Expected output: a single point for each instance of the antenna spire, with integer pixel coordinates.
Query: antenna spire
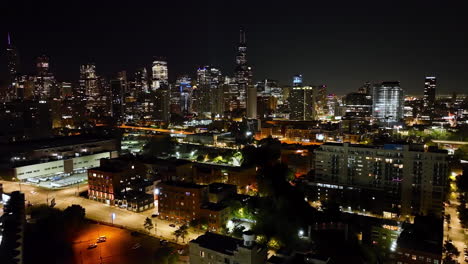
(9, 39)
(242, 35)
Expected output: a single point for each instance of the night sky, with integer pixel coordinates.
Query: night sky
(341, 45)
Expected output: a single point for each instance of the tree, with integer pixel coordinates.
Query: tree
(74, 217)
(148, 224)
(450, 249)
(182, 232)
(177, 234)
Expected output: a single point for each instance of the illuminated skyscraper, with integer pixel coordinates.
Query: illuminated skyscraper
(184, 88)
(302, 103)
(388, 102)
(141, 81)
(89, 81)
(429, 95)
(160, 75)
(42, 65)
(209, 92)
(243, 72)
(297, 80)
(45, 84)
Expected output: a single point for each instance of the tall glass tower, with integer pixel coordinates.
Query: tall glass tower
(388, 102)
(429, 94)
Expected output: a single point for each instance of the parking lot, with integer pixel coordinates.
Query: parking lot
(120, 247)
(59, 181)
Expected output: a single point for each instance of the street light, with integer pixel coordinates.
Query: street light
(301, 233)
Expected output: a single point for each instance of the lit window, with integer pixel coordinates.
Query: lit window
(202, 254)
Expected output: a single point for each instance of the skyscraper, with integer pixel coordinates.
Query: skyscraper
(388, 102)
(88, 81)
(429, 95)
(45, 84)
(209, 92)
(160, 75)
(243, 72)
(42, 65)
(297, 80)
(13, 67)
(302, 103)
(141, 81)
(184, 87)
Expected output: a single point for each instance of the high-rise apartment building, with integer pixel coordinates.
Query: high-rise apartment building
(392, 180)
(388, 102)
(160, 76)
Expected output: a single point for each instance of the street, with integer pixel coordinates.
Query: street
(95, 210)
(456, 232)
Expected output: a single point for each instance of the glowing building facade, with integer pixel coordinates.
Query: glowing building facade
(388, 102)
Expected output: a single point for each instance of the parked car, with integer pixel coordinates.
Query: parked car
(101, 239)
(91, 246)
(172, 225)
(137, 245)
(154, 215)
(163, 242)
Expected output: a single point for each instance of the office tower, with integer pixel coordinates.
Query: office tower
(122, 76)
(184, 87)
(297, 80)
(45, 84)
(209, 92)
(160, 75)
(141, 81)
(42, 65)
(302, 103)
(392, 180)
(25, 87)
(358, 106)
(251, 102)
(429, 95)
(66, 89)
(242, 72)
(365, 88)
(13, 68)
(24, 119)
(89, 81)
(321, 100)
(117, 99)
(388, 102)
(162, 103)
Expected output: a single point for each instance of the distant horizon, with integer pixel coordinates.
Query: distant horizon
(341, 46)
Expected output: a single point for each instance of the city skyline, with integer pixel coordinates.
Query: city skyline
(375, 47)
